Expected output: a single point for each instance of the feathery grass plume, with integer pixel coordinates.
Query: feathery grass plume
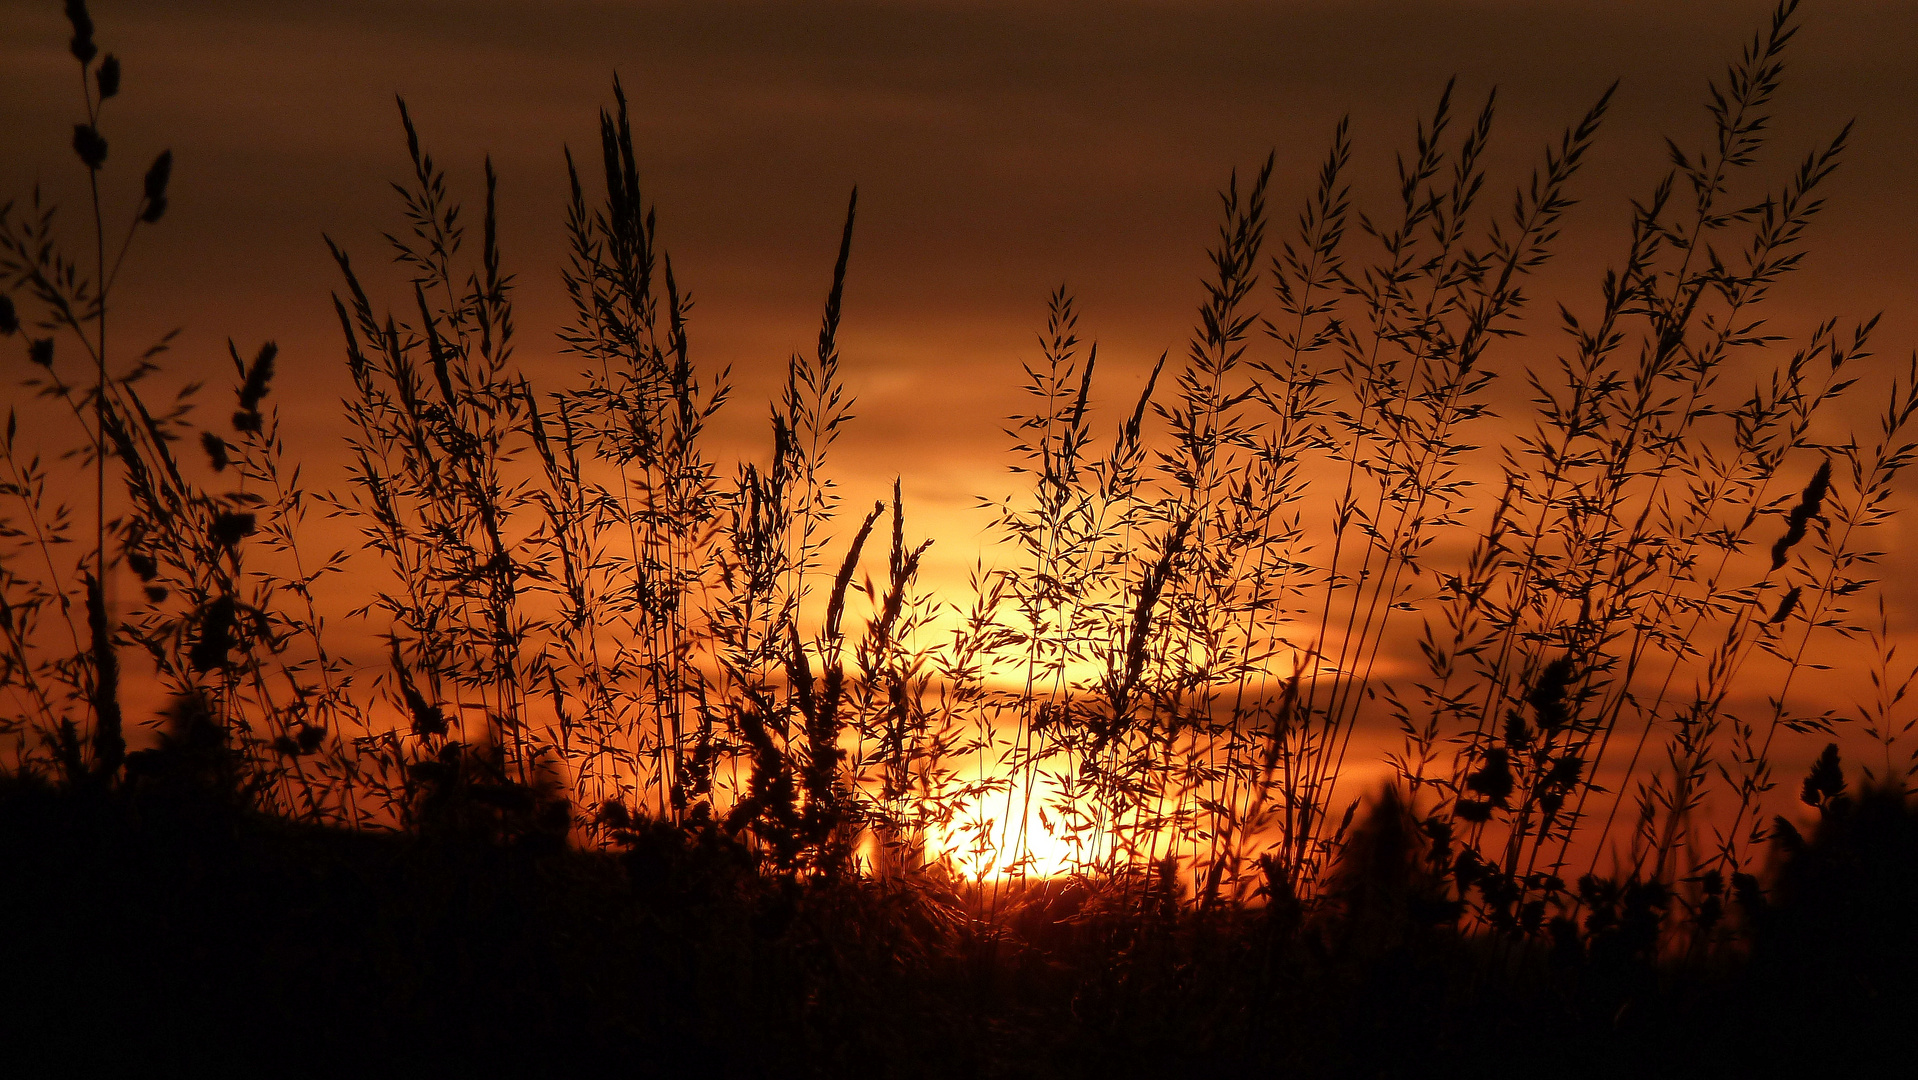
(1880, 716)
(1595, 558)
(641, 407)
(1851, 505)
(897, 736)
(257, 376)
(777, 531)
(431, 477)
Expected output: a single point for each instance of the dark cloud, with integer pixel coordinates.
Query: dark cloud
(1001, 148)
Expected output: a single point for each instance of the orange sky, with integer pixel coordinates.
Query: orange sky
(1000, 149)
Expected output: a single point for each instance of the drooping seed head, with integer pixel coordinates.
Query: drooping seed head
(258, 375)
(309, 738)
(215, 450)
(232, 526)
(1825, 784)
(92, 148)
(82, 45)
(156, 180)
(108, 77)
(215, 639)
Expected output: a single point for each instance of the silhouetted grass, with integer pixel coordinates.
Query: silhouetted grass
(657, 772)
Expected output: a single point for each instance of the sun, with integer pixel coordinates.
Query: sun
(1017, 833)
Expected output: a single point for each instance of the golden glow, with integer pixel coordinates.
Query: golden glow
(1016, 832)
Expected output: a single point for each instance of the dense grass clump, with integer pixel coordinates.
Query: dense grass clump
(162, 935)
(673, 759)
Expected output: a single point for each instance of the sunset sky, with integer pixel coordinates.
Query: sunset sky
(1000, 149)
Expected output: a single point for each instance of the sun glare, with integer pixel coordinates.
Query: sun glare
(1017, 833)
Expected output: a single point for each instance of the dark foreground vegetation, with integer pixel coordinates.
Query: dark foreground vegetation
(671, 767)
(163, 934)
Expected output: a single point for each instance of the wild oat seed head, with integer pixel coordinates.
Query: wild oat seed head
(156, 180)
(83, 48)
(90, 145)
